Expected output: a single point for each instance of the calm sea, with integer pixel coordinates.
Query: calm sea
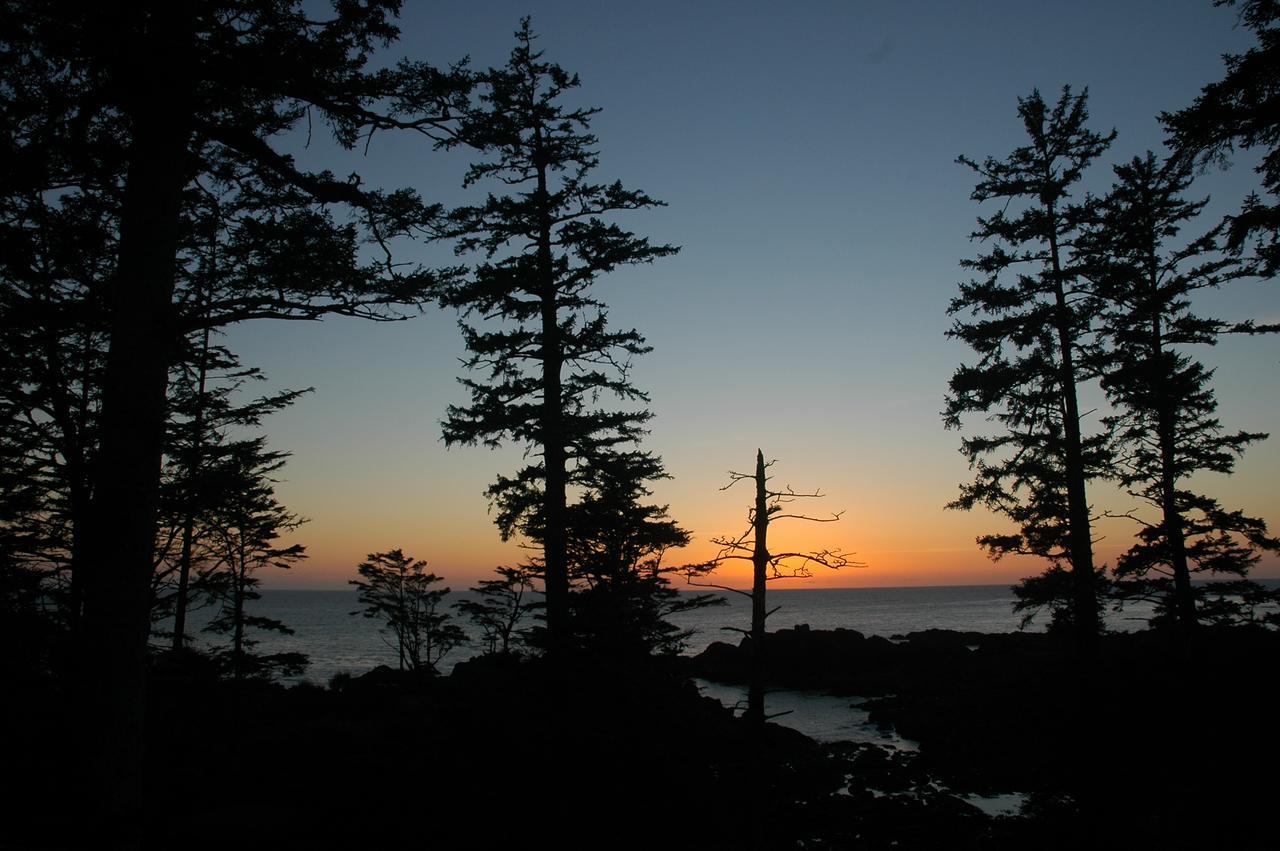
(337, 641)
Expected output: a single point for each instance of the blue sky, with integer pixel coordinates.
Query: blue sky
(807, 157)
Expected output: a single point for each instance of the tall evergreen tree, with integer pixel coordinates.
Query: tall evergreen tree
(1027, 315)
(1242, 110)
(536, 330)
(1166, 424)
(141, 102)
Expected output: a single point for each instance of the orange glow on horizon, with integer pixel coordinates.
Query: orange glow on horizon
(892, 520)
(462, 563)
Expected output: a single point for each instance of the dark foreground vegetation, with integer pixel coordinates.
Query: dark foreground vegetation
(507, 751)
(150, 201)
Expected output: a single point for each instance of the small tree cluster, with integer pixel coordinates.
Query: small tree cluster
(1099, 289)
(206, 471)
(397, 590)
(144, 125)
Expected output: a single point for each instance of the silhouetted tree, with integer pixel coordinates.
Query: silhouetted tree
(28, 625)
(1242, 110)
(201, 468)
(539, 334)
(1028, 315)
(501, 606)
(766, 566)
(1166, 425)
(50, 398)
(247, 526)
(57, 257)
(397, 590)
(621, 595)
(147, 102)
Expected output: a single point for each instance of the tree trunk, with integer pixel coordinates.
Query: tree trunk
(81, 475)
(1084, 608)
(191, 500)
(554, 459)
(1174, 529)
(759, 578)
(71, 442)
(239, 574)
(80, 505)
(122, 527)
(402, 614)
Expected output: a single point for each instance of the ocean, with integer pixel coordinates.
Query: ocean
(337, 641)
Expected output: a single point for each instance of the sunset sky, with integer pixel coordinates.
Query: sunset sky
(807, 156)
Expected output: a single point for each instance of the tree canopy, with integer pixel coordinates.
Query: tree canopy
(1165, 422)
(146, 128)
(1241, 111)
(530, 321)
(397, 590)
(1027, 314)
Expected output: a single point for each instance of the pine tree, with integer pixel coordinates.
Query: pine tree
(54, 271)
(1166, 424)
(1027, 315)
(538, 332)
(246, 527)
(397, 590)
(205, 409)
(145, 104)
(1242, 110)
(501, 606)
(621, 595)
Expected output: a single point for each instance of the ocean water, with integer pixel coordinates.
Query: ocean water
(338, 641)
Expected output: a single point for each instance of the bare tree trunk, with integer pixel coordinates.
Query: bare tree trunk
(759, 577)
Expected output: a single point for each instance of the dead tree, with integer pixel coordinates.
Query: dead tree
(753, 546)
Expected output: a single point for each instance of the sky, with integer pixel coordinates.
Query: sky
(806, 156)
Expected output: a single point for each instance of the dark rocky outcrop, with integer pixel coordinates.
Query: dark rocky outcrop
(1164, 757)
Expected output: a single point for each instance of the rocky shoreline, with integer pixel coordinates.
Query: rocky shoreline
(1156, 747)
(1155, 739)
